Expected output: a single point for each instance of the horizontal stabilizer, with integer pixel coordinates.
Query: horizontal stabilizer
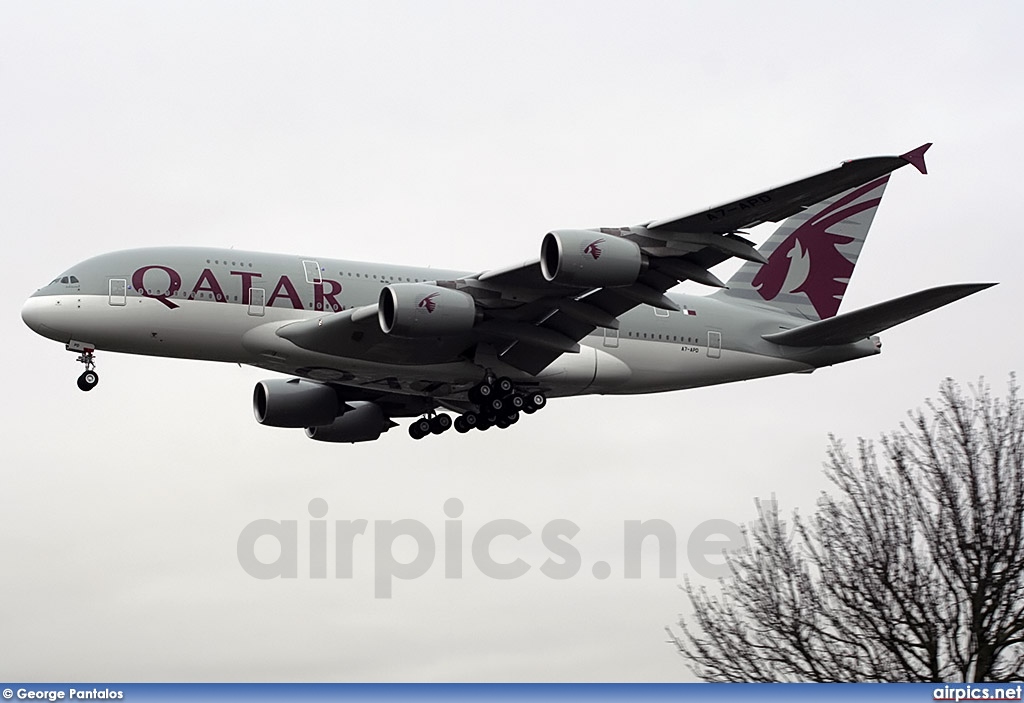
(861, 324)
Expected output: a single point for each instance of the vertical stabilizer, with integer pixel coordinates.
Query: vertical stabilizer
(811, 256)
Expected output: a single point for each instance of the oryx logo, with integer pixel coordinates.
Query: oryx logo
(808, 261)
(593, 249)
(428, 302)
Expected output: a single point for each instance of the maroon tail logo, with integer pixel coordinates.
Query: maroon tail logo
(809, 260)
(428, 302)
(593, 249)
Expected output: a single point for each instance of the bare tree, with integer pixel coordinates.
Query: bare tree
(911, 570)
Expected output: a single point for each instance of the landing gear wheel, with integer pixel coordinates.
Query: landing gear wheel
(440, 423)
(88, 380)
(504, 386)
(420, 428)
(460, 425)
(501, 402)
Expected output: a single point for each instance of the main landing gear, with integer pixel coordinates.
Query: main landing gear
(89, 378)
(433, 424)
(500, 404)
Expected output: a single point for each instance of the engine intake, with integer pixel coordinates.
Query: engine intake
(577, 257)
(362, 422)
(294, 403)
(423, 310)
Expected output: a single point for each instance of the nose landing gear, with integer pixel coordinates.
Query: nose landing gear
(89, 378)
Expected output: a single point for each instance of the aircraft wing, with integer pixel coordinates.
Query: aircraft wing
(528, 314)
(545, 320)
(675, 250)
(784, 201)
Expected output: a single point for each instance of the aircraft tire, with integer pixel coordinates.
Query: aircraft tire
(88, 380)
(440, 423)
(504, 386)
(420, 429)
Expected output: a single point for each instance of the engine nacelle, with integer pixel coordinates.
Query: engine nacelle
(363, 422)
(294, 403)
(577, 257)
(423, 310)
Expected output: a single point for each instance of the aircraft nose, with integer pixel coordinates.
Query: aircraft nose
(36, 312)
(32, 314)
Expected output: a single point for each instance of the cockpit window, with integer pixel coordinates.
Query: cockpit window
(66, 280)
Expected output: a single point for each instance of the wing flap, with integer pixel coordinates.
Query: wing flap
(860, 324)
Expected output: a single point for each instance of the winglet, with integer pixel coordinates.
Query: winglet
(915, 157)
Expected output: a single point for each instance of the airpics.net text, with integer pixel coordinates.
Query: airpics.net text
(270, 549)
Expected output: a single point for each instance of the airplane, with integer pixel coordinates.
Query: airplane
(366, 343)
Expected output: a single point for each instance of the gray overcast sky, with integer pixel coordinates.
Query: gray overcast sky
(452, 134)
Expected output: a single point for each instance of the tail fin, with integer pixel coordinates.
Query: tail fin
(811, 256)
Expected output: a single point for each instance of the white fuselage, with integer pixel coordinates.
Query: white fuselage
(184, 306)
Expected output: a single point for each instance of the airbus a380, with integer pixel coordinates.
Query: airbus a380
(367, 343)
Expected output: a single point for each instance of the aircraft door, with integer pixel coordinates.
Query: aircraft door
(611, 337)
(714, 344)
(257, 300)
(312, 271)
(118, 291)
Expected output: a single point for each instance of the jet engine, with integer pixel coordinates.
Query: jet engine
(423, 310)
(576, 257)
(294, 403)
(362, 422)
